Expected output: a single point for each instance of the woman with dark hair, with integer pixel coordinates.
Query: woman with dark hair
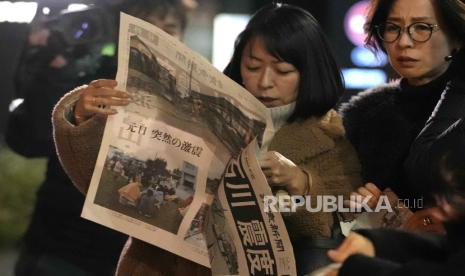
(421, 38)
(283, 59)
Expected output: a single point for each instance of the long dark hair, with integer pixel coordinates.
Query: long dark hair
(451, 12)
(293, 35)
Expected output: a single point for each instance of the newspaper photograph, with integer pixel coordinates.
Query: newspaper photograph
(163, 157)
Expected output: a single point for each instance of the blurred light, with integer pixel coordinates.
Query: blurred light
(226, 27)
(363, 57)
(354, 22)
(18, 12)
(109, 50)
(363, 78)
(46, 10)
(15, 103)
(76, 7)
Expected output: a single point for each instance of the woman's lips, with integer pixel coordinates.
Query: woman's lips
(266, 99)
(406, 61)
(406, 58)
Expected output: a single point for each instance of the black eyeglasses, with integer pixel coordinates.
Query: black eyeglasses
(419, 31)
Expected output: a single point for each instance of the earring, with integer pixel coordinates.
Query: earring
(277, 3)
(451, 56)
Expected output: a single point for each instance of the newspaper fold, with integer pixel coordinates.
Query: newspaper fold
(181, 155)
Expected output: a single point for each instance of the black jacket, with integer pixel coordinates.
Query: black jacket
(56, 226)
(402, 253)
(405, 254)
(382, 124)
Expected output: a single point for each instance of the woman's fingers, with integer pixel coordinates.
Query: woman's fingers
(106, 92)
(364, 192)
(372, 188)
(103, 83)
(353, 244)
(367, 193)
(98, 101)
(103, 111)
(98, 98)
(265, 163)
(339, 254)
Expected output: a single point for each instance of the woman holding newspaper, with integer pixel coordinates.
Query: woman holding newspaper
(283, 59)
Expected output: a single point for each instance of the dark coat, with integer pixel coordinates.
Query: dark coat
(405, 254)
(382, 123)
(402, 253)
(56, 227)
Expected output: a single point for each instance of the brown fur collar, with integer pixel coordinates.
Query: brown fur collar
(301, 140)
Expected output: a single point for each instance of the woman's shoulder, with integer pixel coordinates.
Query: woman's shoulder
(293, 139)
(330, 124)
(382, 96)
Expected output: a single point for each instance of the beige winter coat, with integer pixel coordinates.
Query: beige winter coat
(317, 145)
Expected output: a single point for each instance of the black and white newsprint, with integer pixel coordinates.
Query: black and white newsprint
(242, 239)
(177, 167)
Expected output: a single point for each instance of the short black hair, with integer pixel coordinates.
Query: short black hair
(293, 35)
(162, 8)
(451, 13)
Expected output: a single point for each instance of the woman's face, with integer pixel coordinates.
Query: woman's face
(169, 24)
(418, 62)
(272, 81)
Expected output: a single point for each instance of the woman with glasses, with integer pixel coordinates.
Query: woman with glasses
(422, 38)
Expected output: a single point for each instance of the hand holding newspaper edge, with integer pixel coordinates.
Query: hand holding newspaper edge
(163, 156)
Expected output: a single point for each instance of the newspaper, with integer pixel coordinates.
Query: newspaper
(177, 167)
(394, 217)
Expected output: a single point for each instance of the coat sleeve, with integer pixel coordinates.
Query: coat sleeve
(446, 121)
(77, 146)
(380, 149)
(140, 258)
(411, 254)
(363, 265)
(334, 172)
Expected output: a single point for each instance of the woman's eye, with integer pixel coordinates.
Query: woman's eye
(421, 27)
(252, 68)
(284, 72)
(391, 28)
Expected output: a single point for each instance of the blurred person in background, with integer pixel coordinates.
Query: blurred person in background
(58, 241)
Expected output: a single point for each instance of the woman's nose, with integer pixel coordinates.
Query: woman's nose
(405, 40)
(266, 78)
